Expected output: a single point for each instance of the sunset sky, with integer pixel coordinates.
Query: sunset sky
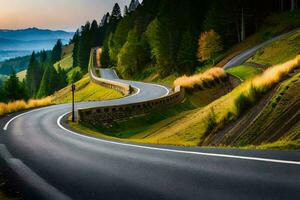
(53, 14)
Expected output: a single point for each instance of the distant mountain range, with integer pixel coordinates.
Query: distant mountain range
(19, 42)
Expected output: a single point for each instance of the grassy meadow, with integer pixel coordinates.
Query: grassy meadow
(65, 63)
(85, 91)
(279, 51)
(244, 72)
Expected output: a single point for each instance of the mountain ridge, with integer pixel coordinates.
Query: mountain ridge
(29, 39)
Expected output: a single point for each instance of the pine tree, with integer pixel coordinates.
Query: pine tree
(62, 78)
(105, 59)
(116, 13)
(93, 34)
(84, 47)
(2, 94)
(133, 54)
(133, 5)
(43, 56)
(104, 20)
(75, 54)
(12, 87)
(56, 52)
(49, 83)
(33, 76)
(186, 57)
(126, 11)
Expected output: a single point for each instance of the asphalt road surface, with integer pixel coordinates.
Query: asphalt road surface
(56, 163)
(245, 55)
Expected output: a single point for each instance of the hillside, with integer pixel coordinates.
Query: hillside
(18, 64)
(85, 91)
(186, 124)
(22, 42)
(67, 58)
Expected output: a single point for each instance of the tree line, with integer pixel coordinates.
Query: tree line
(177, 36)
(170, 36)
(41, 80)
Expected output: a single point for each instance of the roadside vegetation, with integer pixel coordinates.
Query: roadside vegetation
(277, 126)
(85, 91)
(279, 51)
(195, 127)
(14, 106)
(132, 127)
(204, 80)
(244, 72)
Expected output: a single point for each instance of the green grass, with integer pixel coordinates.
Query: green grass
(85, 91)
(169, 80)
(285, 96)
(276, 24)
(279, 51)
(244, 72)
(65, 63)
(132, 127)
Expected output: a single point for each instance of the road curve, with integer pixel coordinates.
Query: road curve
(61, 164)
(245, 55)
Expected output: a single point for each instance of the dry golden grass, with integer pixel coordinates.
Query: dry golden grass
(98, 56)
(274, 74)
(199, 79)
(6, 108)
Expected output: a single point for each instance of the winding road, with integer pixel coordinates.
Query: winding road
(57, 163)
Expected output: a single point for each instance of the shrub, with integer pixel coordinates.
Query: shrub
(211, 122)
(207, 79)
(6, 108)
(242, 104)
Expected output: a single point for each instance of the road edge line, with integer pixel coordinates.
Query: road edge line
(177, 151)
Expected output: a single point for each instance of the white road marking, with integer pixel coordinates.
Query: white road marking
(177, 151)
(117, 77)
(16, 117)
(164, 87)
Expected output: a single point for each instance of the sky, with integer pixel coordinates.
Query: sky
(53, 14)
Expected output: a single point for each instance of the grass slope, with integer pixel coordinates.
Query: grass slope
(279, 51)
(278, 125)
(65, 63)
(274, 25)
(85, 91)
(67, 60)
(244, 72)
(195, 127)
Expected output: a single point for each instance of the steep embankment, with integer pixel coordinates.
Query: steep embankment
(277, 125)
(220, 110)
(85, 89)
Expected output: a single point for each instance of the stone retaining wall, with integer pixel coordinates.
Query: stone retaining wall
(108, 114)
